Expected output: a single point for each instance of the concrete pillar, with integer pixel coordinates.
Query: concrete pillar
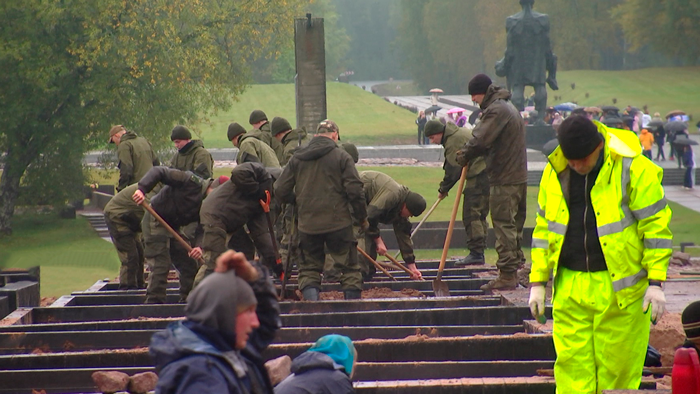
(310, 55)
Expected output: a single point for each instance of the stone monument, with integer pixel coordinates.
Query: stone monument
(528, 60)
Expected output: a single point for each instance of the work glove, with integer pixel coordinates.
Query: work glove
(536, 303)
(460, 158)
(656, 298)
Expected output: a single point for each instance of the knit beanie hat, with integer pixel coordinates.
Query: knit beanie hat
(578, 137)
(433, 127)
(279, 125)
(352, 151)
(415, 203)
(257, 116)
(234, 130)
(216, 302)
(180, 133)
(691, 321)
(479, 84)
(337, 347)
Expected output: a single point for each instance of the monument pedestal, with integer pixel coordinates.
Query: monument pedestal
(538, 135)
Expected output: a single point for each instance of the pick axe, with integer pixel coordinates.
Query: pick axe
(265, 204)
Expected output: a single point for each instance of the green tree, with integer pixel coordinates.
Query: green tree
(73, 68)
(670, 27)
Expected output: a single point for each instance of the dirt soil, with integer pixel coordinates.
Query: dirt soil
(46, 301)
(375, 292)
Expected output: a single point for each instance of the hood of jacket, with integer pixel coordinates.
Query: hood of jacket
(317, 148)
(295, 135)
(250, 178)
(191, 147)
(314, 360)
(129, 135)
(617, 143)
(494, 93)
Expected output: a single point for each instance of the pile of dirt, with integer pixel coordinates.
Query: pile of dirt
(375, 292)
(667, 336)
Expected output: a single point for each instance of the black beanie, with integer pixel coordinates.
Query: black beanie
(352, 151)
(415, 203)
(578, 137)
(234, 129)
(691, 321)
(433, 127)
(257, 116)
(180, 133)
(479, 84)
(279, 125)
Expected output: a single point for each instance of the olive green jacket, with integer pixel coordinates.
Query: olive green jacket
(136, 157)
(249, 145)
(295, 139)
(385, 198)
(322, 181)
(265, 135)
(193, 157)
(454, 138)
(123, 212)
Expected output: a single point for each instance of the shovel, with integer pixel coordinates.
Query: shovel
(284, 292)
(425, 217)
(377, 265)
(265, 204)
(175, 234)
(399, 265)
(440, 288)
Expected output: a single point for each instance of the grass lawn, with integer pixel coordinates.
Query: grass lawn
(71, 255)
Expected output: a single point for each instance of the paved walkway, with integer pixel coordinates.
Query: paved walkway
(687, 198)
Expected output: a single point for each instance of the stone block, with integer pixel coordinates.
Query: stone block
(110, 381)
(142, 383)
(21, 294)
(4, 307)
(278, 369)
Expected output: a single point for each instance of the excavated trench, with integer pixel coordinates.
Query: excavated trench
(467, 343)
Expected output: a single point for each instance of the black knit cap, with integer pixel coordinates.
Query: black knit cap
(279, 125)
(180, 133)
(691, 321)
(352, 151)
(415, 203)
(433, 127)
(479, 84)
(578, 137)
(257, 116)
(234, 130)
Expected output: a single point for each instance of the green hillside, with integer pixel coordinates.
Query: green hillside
(363, 118)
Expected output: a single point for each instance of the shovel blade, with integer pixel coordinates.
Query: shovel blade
(440, 288)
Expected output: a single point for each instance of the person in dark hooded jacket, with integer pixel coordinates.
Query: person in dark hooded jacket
(231, 317)
(235, 204)
(326, 368)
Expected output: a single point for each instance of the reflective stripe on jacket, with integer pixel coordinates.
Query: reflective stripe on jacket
(631, 213)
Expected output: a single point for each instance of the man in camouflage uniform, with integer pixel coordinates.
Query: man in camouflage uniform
(135, 155)
(251, 148)
(290, 139)
(177, 203)
(262, 131)
(388, 202)
(324, 184)
(123, 217)
(475, 204)
(190, 155)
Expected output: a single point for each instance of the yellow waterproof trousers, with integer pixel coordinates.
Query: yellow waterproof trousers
(599, 346)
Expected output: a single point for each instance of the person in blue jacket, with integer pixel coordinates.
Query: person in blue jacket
(231, 317)
(326, 368)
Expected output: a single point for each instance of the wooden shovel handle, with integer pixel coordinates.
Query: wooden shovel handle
(379, 266)
(175, 234)
(399, 265)
(451, 227)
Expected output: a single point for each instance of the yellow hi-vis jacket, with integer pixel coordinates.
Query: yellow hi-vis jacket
(632, 216)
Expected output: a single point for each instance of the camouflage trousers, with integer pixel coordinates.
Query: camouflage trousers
(475, 209)
(508, 208)
(162, 251)
(127, 241)
(340, 245)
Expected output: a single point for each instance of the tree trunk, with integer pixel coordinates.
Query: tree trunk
(9, 190)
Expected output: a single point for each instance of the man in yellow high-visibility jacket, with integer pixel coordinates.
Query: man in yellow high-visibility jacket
(602, 228)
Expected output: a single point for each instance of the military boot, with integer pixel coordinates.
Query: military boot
(310, 294)
(504, 281)
(352, 294)
(473, 259)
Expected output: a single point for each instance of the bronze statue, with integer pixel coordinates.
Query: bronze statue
(528, 56)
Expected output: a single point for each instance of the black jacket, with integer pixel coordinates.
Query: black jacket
(315, 373)
(179, 201)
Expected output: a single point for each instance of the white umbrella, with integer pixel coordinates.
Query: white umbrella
(435, 90)
(456, 110)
